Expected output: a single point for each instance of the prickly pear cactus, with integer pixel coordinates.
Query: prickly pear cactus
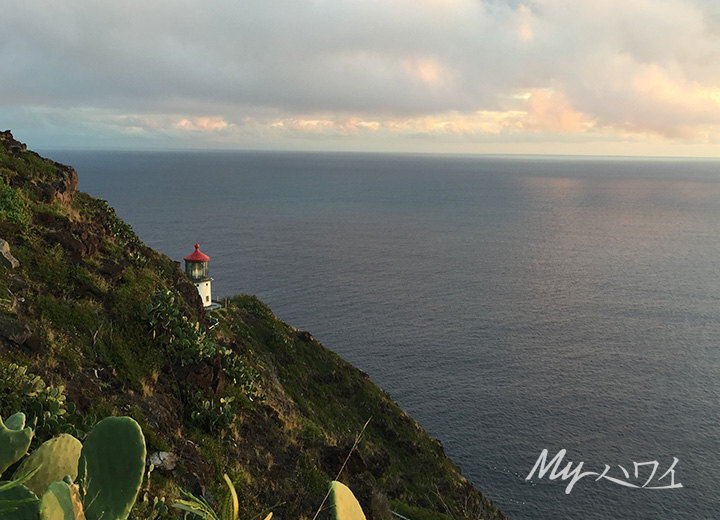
(15, 421)
(61, 501)
(111, 467)
(14, 440)
(344, 504)
(18, 511)
(56, 458)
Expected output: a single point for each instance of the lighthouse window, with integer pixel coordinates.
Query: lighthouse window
(197, 269)
(207, 298)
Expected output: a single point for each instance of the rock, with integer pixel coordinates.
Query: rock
(14, 147)
(111, 270)
(14, 329)
(49, 220)
(164, 412)
(17, 284)
(6, 258)
(163, 460)
(304, 335)
(91, 241)
(18, 181)
(207, 375)
(76, 249)
(34, 344)
(81, 240)
(88, 291)
(64, 184)
(68, 183)
(193, 483)
(49, 192)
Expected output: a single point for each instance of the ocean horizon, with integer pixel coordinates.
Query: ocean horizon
(510, 304)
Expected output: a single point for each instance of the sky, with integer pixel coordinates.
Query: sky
(598, 77)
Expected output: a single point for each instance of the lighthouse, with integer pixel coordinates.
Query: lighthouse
(196, 267)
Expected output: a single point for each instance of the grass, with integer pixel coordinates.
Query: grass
(28, 165)
(417, 513)
(79, 318)
(51, 267)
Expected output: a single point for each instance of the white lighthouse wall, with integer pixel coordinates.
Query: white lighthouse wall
(204, 290)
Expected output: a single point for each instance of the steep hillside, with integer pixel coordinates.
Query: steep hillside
(94, 323)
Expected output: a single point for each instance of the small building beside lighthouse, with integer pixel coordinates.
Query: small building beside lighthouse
(196, 267)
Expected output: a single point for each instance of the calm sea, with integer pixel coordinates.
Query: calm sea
(510, 305)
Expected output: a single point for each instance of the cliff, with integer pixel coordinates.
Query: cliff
(94, 323)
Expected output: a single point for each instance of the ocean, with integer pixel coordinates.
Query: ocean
(510, 304)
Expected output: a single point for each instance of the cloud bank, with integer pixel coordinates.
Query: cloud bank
(456, 75)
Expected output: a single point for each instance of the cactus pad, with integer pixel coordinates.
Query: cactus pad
(111, 467)
(344, 504)
(14, 440)
(15, 421)
(25, 511)
(57, 457)
(61, 501)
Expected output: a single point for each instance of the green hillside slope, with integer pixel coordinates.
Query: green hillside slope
(94, 323)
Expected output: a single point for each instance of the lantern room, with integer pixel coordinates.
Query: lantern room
(196, 267)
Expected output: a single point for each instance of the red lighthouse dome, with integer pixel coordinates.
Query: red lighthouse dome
(197, 256)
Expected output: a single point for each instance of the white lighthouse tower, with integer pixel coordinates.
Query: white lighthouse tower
(196, 267)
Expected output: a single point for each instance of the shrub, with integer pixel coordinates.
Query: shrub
(184, 340)
(188, 344)
(51, 266)
(22, 390)
(211, 414)
(12, 206)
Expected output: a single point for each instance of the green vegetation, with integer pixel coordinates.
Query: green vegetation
(120, 230)
(14, 440)
(28, 165)
(109, 471)
(12, 206)
(94, 324)
(417, 513)
(46, 406)
(109, 468)
(54, 460)
(185, 341)
(17, 501)
(187, 344)
(200, 507)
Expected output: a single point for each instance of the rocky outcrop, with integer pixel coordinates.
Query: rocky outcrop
(207, 376)
(14, 329)
(81, 240)
(59, 183)
(17, 333)
(13, 147)
(66, 184)
(6, 258)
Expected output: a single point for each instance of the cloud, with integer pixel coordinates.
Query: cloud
(367, 68)
(202, 124)
(636, 64)
(548, 110)
(525, 20)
